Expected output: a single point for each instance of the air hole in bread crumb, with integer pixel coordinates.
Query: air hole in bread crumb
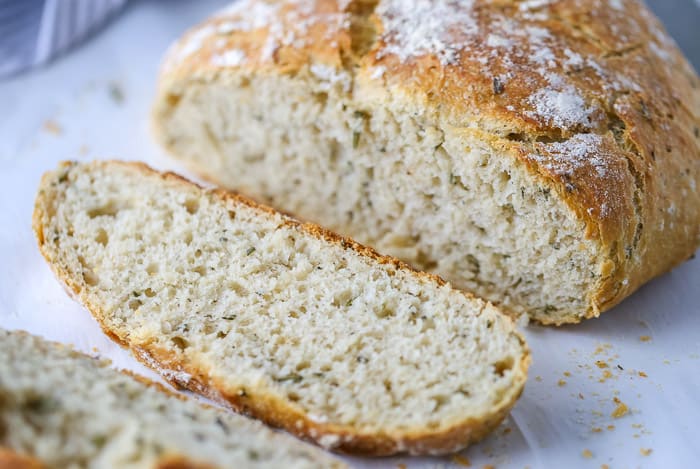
(201, 270)
(198, 253)
(134, 304)
(90, 278)
(386, 312)
(110, 209)
(152, 269)
(188, 237)
(231, 215)
(102, 237)
(192, 206)
(440, 401)
(501, 366)
(149, 293)
(302, 366)
(238, 289)
(179, 342)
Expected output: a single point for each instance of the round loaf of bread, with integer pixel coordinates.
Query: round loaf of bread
(542, 154)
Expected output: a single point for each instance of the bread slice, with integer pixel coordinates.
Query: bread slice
(283, 321)
(63, 409)
(544, 155)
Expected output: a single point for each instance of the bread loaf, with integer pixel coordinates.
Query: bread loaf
(281, 320)
(65, 410)
(543, 154)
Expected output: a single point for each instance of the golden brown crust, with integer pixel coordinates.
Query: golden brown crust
(11, 460)
(530, 76)
(267, 406)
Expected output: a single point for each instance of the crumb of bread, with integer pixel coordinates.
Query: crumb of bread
(561, 383)
(52, 127)
(645, 338)
(621, 410)
(586, 453)
(645, 451)
(461, 460)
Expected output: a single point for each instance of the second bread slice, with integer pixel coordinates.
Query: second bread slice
(281, 320)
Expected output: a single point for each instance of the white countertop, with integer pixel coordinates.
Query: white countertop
(70, 110)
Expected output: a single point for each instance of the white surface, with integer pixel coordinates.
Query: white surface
(551, 425)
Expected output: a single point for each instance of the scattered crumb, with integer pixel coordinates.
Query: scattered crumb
(567, 374)
(587, 454)
(621, 410)
(606, 376)
(604, 466)
(580, 396)
(636, 435)
(601, 364)
(561, 383)
(636, 425)
(401, 466)
(538, 379)
(611, 427)
(666, 362)
(507, 430)
(489, 466)
(461, 460)
(115, 92)
(602, 348)
(52, 127)
(645, 338)
(596, 429)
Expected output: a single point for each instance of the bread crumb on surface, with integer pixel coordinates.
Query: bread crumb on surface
(401, 466)
(461, 460)
(611, 427)
(645, 451)
(567, 374)
(52, 127)
(621, 410)
(586, 453)
(538, 379)
(645, 338)
(601, 364)
(596, 429)
(604, 466)
(561, 383)
(605, 376)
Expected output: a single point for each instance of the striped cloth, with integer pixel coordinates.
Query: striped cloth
(34, 31)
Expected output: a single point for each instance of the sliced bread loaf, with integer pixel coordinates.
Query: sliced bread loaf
(544, 154)
(62, 409)
(282, 320)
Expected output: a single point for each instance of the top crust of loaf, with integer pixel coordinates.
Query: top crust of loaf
(592, 95)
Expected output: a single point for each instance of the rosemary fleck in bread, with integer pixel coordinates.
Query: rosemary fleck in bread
(543, 154)
(283, 321)
(65, 410)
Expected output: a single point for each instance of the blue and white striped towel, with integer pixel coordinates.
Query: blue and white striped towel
(34, 31)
